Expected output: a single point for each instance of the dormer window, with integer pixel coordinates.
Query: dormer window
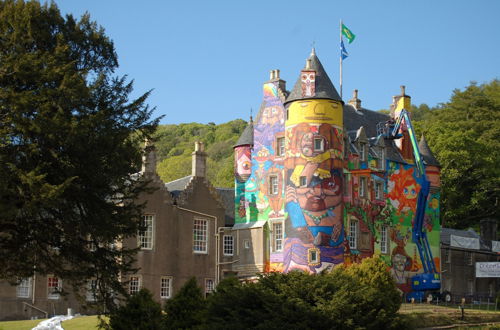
(362, 152)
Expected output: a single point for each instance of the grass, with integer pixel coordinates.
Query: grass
(427, 316)
(78, 323)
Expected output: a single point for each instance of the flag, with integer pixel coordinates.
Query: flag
(343, 51)
(347, 33)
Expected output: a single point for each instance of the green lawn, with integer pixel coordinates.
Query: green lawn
(78, 323)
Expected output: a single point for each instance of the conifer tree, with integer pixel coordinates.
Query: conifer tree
(69, 146)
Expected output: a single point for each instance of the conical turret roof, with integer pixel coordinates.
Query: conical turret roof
(426, 153)
(324, 88)
(246, 137)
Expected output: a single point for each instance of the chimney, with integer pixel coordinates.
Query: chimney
(149, 158)
(308, 64)
(355, 102)
(199, 164)
(274, 75)
(488, 228)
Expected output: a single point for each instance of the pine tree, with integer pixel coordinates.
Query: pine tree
(69, 144)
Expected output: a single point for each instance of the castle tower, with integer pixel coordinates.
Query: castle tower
(242, 169)
(313, 172)
(399, 103)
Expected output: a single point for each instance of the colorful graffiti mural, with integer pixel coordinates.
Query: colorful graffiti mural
(335, 207)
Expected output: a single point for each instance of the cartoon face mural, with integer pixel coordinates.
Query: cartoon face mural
(313, 197)
(403, 190)
(308, 79)
(243, 163)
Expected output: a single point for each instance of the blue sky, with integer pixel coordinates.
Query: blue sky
(206, 60)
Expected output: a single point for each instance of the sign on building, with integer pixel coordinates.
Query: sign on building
(487, 269)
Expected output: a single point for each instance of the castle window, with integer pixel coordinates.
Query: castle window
(362, 152)
(200, 235)
(273, 185)
(145, 236)
(382, 159)
(362, 186)
(384, 246)
(280, 146)
(277, 236)
(246, 244)
(228, 245)
(313, 256)
(24, 288)
(165, 287)
(303, 181)
(54, 285)
(90, 294)
(134, 285)
(379, 191)
(319, 144)
(209, 286)
(353, 234)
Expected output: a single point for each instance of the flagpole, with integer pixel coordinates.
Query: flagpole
(340, 43)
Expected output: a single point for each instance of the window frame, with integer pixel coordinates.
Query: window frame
(353, 238)
(273, 185)
(137, 288)
(145, 238)
(321, 146)
(384, 235)
(280, 146)
(166, 290)
(379, 190)
(209, 286)
(362, 151)
(228, 249)
(24, 288)
(53, 292)
(303, 181)
(363, 186)
(200, 246)
(277, 242)
(469, 258)
(90, 290)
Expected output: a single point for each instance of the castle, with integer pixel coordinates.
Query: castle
(316, 185)
(319, 186)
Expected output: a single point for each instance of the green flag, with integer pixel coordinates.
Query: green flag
(347, 33)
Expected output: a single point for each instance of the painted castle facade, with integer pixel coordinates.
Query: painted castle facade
(317, 184)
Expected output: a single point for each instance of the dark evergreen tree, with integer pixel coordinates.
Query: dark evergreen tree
(140, 312)
(187, 309)
(69, 144)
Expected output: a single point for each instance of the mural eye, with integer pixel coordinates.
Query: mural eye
(413, 191)
(304, 77)
(405, 191)
(311, 77)
(246, 165)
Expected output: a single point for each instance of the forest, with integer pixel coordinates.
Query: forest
(463, 133)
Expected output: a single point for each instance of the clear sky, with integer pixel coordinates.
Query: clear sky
(206, 60)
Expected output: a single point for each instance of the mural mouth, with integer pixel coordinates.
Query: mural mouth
(318, 118)
(315, 204)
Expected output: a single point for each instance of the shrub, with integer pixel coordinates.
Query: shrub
(139, 312)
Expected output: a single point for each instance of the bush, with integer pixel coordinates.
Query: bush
(139, 312)
(187, 309)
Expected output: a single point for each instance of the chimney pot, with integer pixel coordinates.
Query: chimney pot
(403, 90)
(277, 76)
(308, 64)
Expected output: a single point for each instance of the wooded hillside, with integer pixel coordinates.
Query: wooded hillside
(175, 143)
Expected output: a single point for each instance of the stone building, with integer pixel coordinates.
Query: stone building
(184, 237)
(460, 251)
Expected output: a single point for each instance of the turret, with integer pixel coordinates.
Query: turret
(313, 171)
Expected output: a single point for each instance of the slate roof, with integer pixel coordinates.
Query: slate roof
(426, 153)
(227, 198)
(177, 186)
(246, 138)
(324, 88)
(354, 119)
